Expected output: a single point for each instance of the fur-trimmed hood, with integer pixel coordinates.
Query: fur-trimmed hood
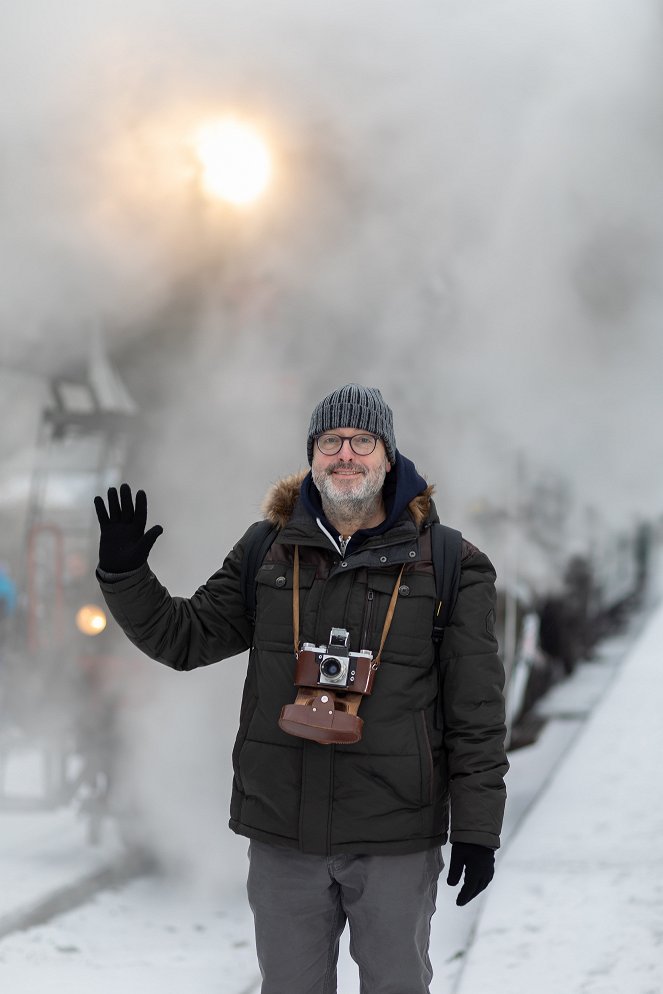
(280, 500)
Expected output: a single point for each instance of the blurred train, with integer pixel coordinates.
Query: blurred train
(558, 628)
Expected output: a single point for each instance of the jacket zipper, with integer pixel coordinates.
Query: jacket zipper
(366, 624)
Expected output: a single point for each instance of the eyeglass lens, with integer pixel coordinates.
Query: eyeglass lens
(361, 445)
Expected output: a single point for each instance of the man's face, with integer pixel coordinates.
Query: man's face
(347, 478)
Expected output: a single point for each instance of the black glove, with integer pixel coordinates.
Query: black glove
(124, 544)
(479, 863)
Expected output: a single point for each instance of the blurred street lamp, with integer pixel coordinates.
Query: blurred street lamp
(236, 162)
(90, 619)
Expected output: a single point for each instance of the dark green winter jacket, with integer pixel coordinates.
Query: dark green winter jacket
(433, 735)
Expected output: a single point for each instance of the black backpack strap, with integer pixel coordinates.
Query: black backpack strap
(258, 542)
(445, 552)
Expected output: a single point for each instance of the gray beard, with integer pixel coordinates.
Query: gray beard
(346, 506)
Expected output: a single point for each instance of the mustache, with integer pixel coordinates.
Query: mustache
(345, 465)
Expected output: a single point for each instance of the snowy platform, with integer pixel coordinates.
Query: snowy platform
(45, 864)
(577, 900)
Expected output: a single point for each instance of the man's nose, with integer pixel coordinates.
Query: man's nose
(346, 441)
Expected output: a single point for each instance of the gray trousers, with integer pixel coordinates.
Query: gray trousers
(301, 903)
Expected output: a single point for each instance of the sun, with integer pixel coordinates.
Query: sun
(235, 160)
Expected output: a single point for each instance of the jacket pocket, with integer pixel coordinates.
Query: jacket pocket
(274, 602)
(409, 641)
(245, 720)
(426, 761)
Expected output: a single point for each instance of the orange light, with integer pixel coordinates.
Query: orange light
(90, 619)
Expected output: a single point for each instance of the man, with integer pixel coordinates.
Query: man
(341, 829)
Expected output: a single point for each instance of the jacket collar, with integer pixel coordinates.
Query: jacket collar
(283, 496)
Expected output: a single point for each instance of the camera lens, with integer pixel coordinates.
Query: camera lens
(330, 667)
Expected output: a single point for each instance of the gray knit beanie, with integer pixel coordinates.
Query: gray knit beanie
(354, 406)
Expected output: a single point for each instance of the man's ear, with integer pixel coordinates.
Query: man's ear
(388, 466)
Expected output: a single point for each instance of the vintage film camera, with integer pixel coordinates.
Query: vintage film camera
(322, 672)
(334, 665)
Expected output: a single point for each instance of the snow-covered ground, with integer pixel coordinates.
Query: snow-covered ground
(150, 937)
(576, 904)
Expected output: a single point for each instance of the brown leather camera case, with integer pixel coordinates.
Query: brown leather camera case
(328, 722)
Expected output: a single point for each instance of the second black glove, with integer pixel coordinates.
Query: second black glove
(479, 864)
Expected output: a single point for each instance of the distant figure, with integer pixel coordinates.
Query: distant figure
(557, 633)
(356, 742)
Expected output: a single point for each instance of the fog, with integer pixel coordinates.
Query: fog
(466, 212)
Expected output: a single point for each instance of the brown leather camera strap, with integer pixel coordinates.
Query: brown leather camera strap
(295, 598)
(295, 608)
(388, 620)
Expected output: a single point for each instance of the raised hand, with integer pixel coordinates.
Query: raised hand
(124, 544)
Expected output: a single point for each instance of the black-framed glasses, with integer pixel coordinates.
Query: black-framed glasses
(330, 444)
